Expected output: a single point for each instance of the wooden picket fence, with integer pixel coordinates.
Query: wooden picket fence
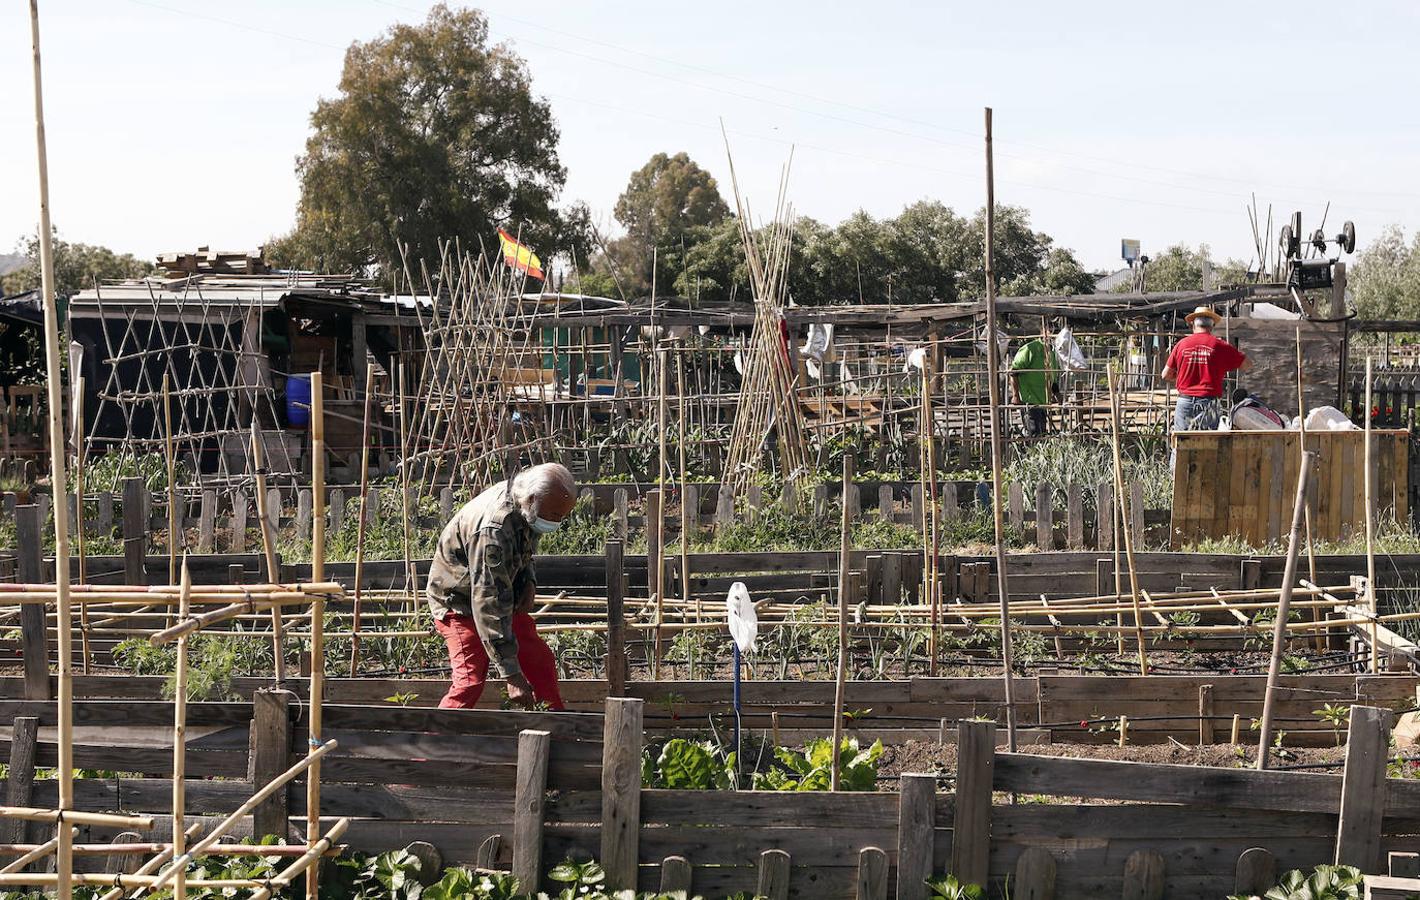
(524, 790)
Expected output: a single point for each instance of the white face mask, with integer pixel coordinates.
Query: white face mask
(543, 526)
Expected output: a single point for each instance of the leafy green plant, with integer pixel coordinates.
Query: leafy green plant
(810, 770)
(1337, 715)
(687, 766)
(580, 877)
(947, 887)
(1322, 883)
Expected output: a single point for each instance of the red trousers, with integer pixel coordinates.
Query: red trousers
(469, 661)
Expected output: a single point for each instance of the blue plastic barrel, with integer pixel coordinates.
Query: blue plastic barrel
(298, 400)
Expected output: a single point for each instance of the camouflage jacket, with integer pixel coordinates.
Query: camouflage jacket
(483, 563)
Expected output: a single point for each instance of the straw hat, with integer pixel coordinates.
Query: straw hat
(1203, 311)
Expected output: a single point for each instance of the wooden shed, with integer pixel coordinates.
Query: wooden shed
(1244, 483)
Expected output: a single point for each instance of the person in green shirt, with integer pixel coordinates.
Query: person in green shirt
(1033, 381)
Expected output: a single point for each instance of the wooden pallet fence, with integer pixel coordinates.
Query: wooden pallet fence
(1158, 707)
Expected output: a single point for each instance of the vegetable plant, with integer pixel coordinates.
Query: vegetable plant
(1322, 883)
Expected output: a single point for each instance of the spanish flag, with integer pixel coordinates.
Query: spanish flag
(519, 255)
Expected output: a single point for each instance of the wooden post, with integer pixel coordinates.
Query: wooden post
(1205, 714)
(1104, 516)
(619, 504)
(529, 801)
(675, 874)
(971, 825)
(1338, 296)
(135, 532)
(872, 874)
(1044, 518)
(1075, 517)
(1255, 873)
(34, 633)
(1144, 875)
(916, 837)
(1363, 790)
(269, 757)
(773, 875)
(19, 784)
(1016, 506)
(1369, 601)
(207, 522)
(621, 791)
(616, 662)
(1035, 875)
(238, 538)
(174, 527)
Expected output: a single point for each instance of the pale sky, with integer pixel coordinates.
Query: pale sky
(176, 123)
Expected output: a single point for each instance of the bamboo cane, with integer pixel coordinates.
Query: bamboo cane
(360, 522)
(1370, 527)
(273, 573)
(845, 546)
(171, 461)
(79, 443)
(306, 863)
(407, 534)
(317, 686)
(1302, 449)
(1126, 532)
(180, 737)
(197, 623)
(686, 512)
(1284, 599)
(64, 862)
(153, 864)
(74, 817)
(30, 854)
(276, 784)
(994, 413)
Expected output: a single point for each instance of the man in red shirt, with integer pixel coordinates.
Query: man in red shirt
(1198, 364)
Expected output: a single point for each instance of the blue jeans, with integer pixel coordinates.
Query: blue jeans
(1196, 414)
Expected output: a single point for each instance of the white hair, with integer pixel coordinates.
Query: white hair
(531, 486)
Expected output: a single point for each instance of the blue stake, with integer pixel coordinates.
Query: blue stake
(737, 712)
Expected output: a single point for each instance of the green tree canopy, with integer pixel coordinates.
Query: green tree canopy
(927, 253)
(76, 267)
(667, 196)
(1180, 268)
(435, 135)
(1385, 281)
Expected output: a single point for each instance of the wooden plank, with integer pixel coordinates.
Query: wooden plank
(34, 638)
(675, 874)
(1144, 876)
(1044, 523)
(1104, 515)
(752, 809)
(617, 666)
(1075, 517)
(534, 752)
(621, 791)
(207, 522)
(1165, 783)
(1205, 714)
(1276, 476)
(1358, 833)
(270, 756)
(135, 531)
(1035, 875)
(1256, 872)
(1403, 865)
(971, 824)
(773, 875)
(872, 874)
(916, 834)
(19, 783)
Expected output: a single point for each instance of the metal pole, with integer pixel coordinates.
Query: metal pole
(1284, 603)
(993, 365)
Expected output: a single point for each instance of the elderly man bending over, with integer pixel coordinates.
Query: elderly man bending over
(482, 585)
